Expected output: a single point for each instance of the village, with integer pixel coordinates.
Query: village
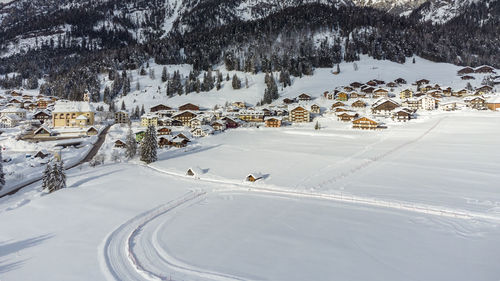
(52, 125)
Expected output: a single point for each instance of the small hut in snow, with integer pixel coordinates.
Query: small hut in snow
(194, 172)
(254, 177)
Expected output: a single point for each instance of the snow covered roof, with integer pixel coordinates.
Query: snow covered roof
(81, 117)
(12, 117)
(13, 110)
(495, 99)
(73, 106)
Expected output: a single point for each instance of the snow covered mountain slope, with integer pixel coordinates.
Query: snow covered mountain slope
(441, 11)
(392, 6)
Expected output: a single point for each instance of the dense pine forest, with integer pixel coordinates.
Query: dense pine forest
(293, 40)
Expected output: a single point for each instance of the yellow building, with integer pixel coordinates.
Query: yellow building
(149, 119)
(72, 114)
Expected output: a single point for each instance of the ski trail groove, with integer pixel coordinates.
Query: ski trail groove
(120, 261)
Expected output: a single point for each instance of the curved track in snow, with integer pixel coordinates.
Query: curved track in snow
(132, 251)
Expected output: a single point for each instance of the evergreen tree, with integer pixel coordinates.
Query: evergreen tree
(142, 72)
(2, 174)
(246, 82)
(131, 150)
(149, 146)
(46, 179)
(126, 86)
(142, 111)
(236, 82)
(317, 126)
(164, 74)
(138, 86)
(123, 106)
(55, 177)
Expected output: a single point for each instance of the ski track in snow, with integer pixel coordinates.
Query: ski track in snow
(133, 251)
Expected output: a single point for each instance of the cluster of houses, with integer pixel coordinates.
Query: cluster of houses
(365, 105)
(47, 117)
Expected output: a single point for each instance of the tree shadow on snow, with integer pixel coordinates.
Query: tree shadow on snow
(7, 248)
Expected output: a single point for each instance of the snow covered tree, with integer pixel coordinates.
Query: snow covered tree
(2, 174)
(149, 146)
(142, 72)
(131, 149)
(123, 106)
(142, 111)
(46, 179)
(236, 82)
(164, 75)
(246, 82)
(54, 178)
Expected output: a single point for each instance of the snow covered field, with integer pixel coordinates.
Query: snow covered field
(221, 228)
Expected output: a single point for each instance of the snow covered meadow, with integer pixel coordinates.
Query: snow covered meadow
(418, 201)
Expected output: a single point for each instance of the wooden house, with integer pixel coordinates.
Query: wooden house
(475, 102)
(400, 81)
(219, 125)
(355, 85)
(364, 123)
(304, 97)
(288, 101)
(163, 131)
(185, 117)
(41, 116)
(402, 115)
(120, 144)
(484, 69)
(484, 90)
(359, 104)
(41, 154)
(337, 104)
(91, 131)
(42, 103)
(348, 89)
(163, 142)
(159, 107)
(367, 90)
(273, 122)
(178, 142)
(384, 106)
(467, 77)
(330, 95)
(381, 93)
(347, 116)
(342, 96)
(314, 108)
(299, 114)
(391, 85)
(230, 122)
(189, 106)
(422, 82)
(371, 83)
(465, 70)
(202, 131)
